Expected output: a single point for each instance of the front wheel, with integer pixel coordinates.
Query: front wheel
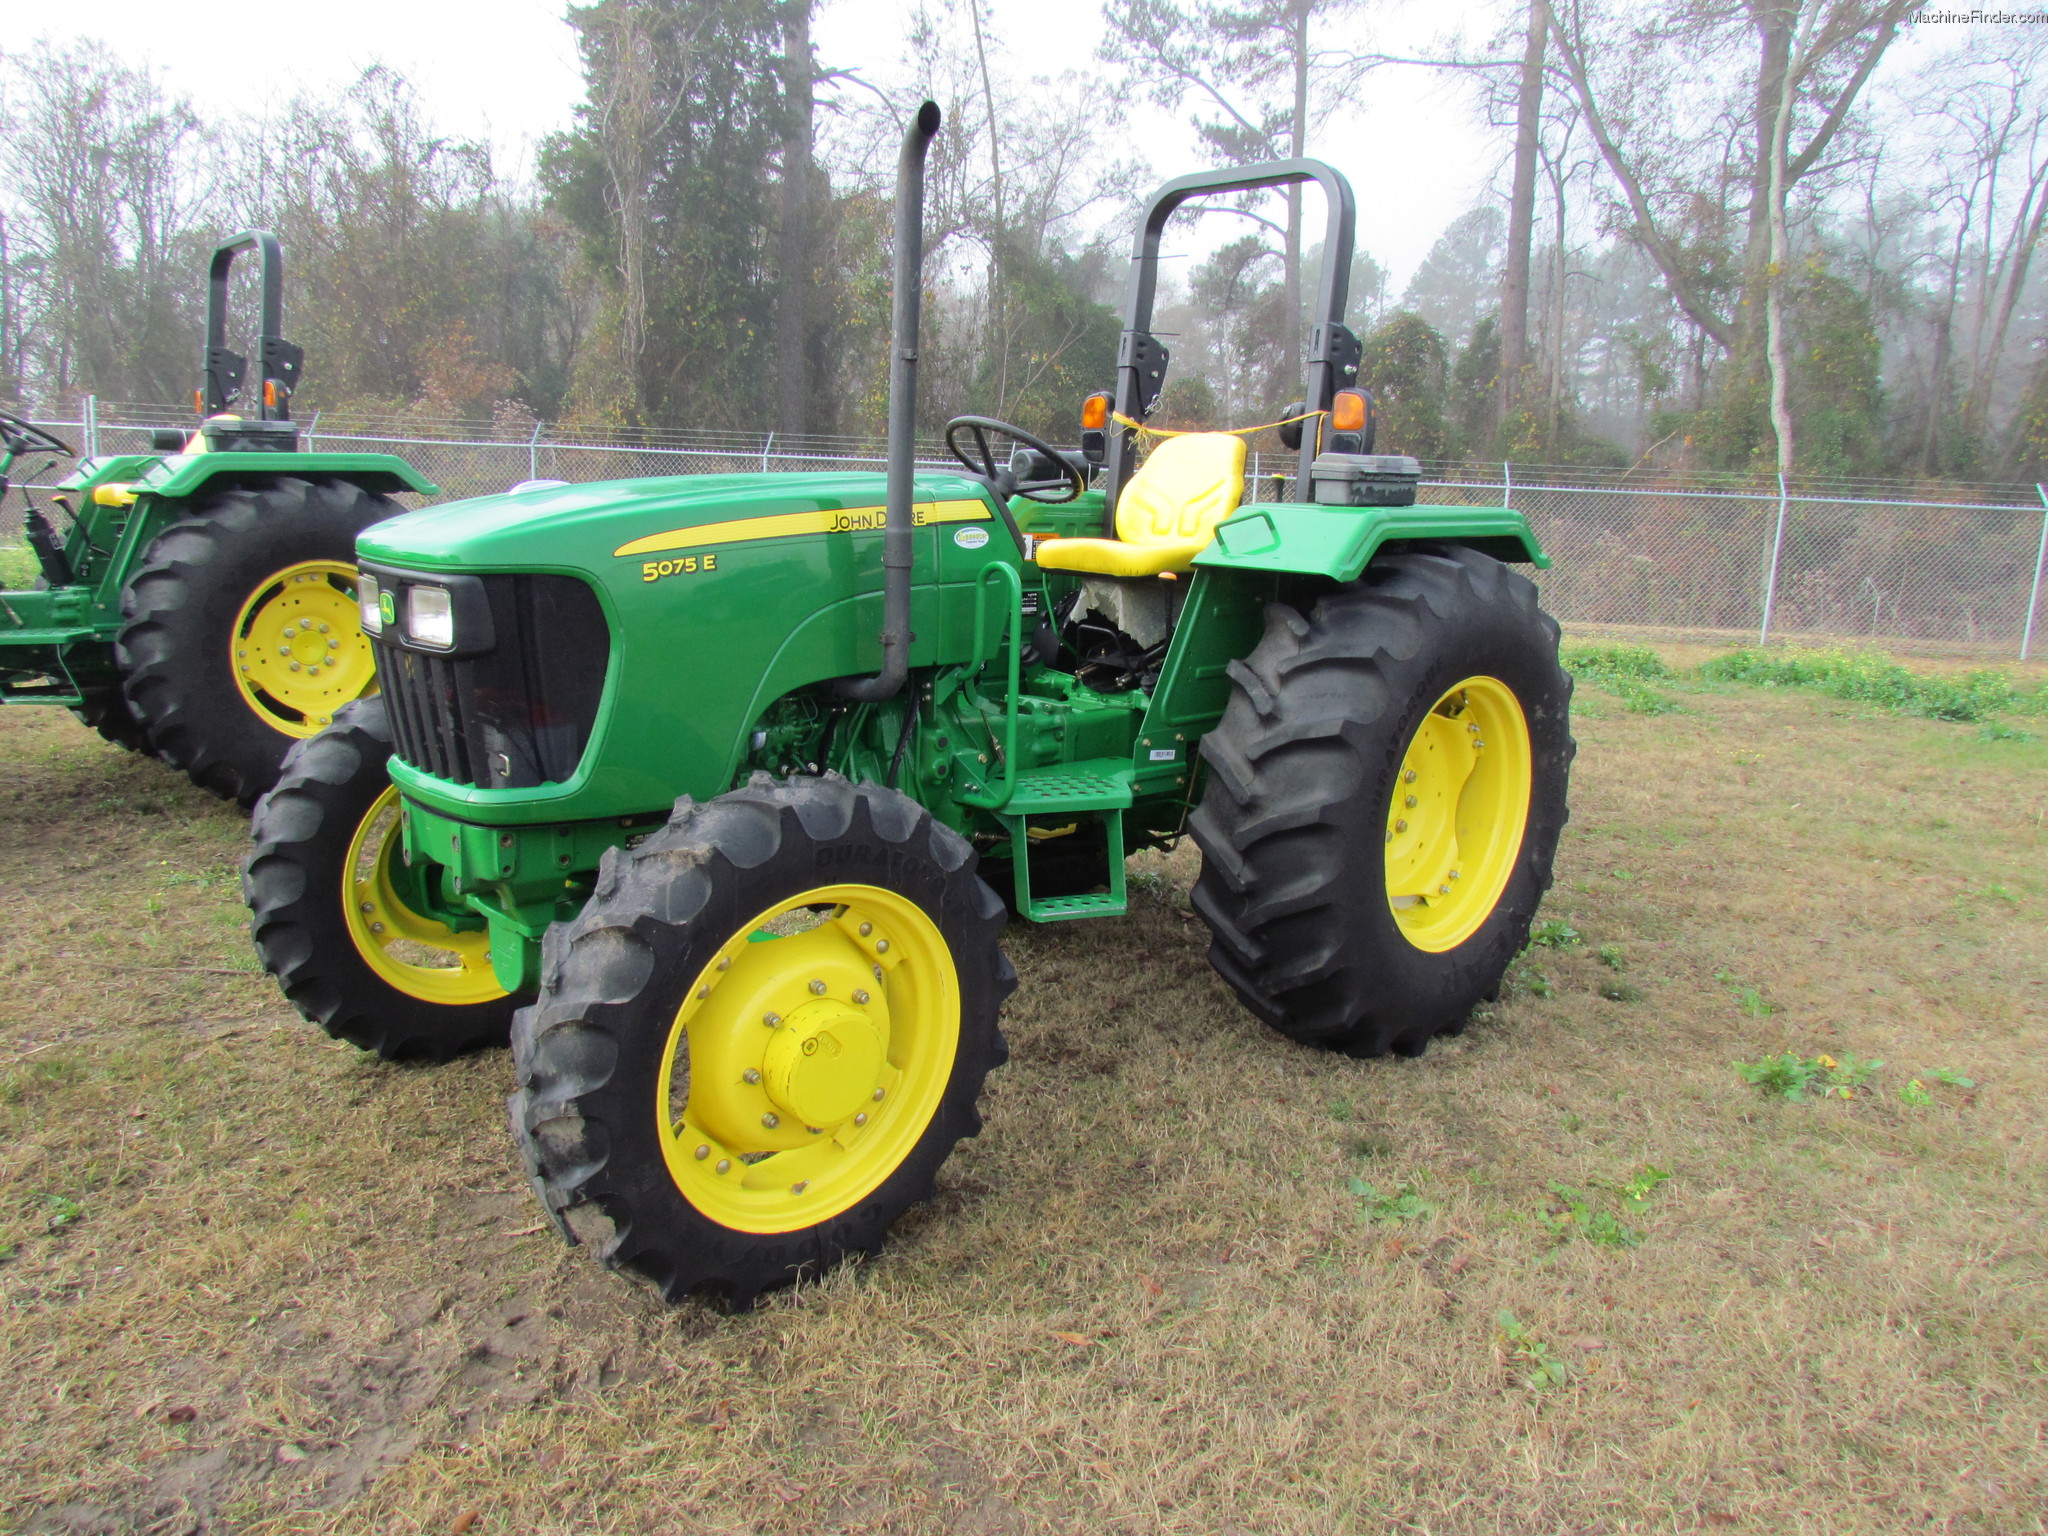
(365, 945)
(763, 1035)
(1385, 794)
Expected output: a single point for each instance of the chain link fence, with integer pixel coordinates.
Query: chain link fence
(1646, 556)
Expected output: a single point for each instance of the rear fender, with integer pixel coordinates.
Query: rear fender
(1338, 542)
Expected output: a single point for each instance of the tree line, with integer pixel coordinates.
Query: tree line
(1738, 235)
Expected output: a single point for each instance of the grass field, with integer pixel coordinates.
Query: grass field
(1190, 1279)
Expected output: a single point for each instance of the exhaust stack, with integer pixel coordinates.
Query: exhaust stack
(896, 534)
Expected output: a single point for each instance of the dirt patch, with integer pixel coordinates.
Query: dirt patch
(1192, 1278)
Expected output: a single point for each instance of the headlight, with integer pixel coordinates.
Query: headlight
(430, 617)
(367, 598)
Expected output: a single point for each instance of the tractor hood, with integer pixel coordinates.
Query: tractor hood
(610, 528)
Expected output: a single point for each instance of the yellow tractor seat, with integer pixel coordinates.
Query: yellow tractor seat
(1166, 515)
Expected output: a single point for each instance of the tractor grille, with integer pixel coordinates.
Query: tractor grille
(516, 715)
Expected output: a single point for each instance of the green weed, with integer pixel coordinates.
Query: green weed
(1871, 678)
(61, 1211)
(1615, 990)
(1535, 981)
(1914, 1091)
(1749, 999)
(1624, 671)
(1405, 1205)
(1607, 663)
(1790, 1077)
(1996, 731)
(1531, 1358)
(1556, 933)
(1637, 1188)
(1610, 956)
(1572, 1213)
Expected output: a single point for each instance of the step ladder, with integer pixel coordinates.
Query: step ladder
(1098, 787)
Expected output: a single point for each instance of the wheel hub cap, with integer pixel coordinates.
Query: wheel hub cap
(824, 1064)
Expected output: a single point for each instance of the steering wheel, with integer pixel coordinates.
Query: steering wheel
(22, 436)
(1001, 478)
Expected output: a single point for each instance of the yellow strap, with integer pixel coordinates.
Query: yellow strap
(1144, 431)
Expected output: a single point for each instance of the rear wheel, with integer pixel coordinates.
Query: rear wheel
(1385, 794)
(109, 714)
(364, 945)
(764, 1034)
(242, 633)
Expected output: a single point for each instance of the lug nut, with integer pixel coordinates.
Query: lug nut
(817, 989)
(1473, 729)
(878, 1095)
(860, 995)
(771, 1019)
(881, 946)
(751, 1075)
(1408, 777)
(771, 1120)
(1443, 890)
(725, 962)
(323, 629)
(369, 906)
(878, 973)
(1401, 826)
(799, 1186)
(313, 672)
(1412, 802)
(725, 1165)
(702, 993)
(702, 1153)
(376, 927)
(866, 929)
(295, 666)
(861, 1118)
(1454, 874)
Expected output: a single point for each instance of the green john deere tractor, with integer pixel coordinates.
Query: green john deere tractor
(692, 784)
(201, 604)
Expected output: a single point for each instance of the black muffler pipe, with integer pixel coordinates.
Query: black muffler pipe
(896, 531)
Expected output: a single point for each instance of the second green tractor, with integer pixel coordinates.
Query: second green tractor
(715, 793)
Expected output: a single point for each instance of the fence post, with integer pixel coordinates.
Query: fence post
(1507, 484)
(533, 452)
(312, 431)
(2040, 557)
(1771, 577)
(92, 426)
(766, 444)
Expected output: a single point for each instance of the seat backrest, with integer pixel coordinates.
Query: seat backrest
(1188, 486)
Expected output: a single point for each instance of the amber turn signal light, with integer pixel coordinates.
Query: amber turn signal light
(1348, 411)
(270, 393)
(1095, 413)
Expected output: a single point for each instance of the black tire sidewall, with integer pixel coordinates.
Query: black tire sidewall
(295, 883)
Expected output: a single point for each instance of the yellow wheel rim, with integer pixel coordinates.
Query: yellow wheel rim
(1460, 806)
(807, 1058)
(422, 957)
(300, 651)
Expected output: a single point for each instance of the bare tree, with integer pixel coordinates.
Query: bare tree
(1265, 75)
(1679, 134)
